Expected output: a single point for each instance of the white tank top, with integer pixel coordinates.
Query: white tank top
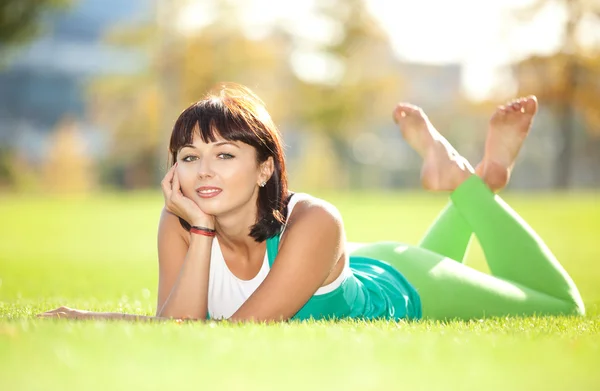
(227, 293)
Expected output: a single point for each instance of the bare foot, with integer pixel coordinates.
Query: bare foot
(509, 127)
(443, 168)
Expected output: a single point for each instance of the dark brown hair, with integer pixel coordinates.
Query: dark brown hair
(235, 113)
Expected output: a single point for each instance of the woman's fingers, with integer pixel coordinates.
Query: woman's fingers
(176, 187)
(176, 199)
(64, 312)
(52, 315)
(174, 195)
(60, 309)
(59, 312)
(166, 183)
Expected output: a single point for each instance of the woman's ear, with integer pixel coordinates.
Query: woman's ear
(266, 169)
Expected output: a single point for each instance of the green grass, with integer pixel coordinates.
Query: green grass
(99, 253)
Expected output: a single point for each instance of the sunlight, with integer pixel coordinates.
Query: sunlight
(467, 32)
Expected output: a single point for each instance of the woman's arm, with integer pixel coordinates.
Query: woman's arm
(184, 262)
(314, 242)
(71, 313)
(182, 278)
(183, 271)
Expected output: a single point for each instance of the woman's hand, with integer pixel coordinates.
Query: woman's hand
(70, 313)
(180, 205)
(66, 312)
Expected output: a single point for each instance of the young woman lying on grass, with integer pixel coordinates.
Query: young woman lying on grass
(234, 243)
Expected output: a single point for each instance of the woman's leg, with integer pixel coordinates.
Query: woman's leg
(513, 251)
(443, 169)
(451, 290)
(526, 278)
(449, 235)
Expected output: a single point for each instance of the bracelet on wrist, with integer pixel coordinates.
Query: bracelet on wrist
(196, 229)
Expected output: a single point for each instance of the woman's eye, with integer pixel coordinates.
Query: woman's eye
(225, 156)
(189, 158)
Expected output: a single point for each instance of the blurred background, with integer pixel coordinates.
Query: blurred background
(90, 89)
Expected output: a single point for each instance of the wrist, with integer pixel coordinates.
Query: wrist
(202, 223)
(200, 237)
(203, 231)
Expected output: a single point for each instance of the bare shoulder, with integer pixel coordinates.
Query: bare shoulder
(314, 212)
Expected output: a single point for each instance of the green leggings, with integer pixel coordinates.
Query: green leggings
(526, 279)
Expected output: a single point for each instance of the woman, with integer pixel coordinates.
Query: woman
(235, 244)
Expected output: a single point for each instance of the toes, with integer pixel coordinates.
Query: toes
(530, 104)
(520, 105)
(517, 106)
(402, 110)
(524, 104)
(514, 105)
(398, 113)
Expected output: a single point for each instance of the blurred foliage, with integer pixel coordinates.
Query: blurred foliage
(338, 127)
(16, 173)
(6, 174)
(68, 168)
(568, 82)
(140, 111)
(366, 91)
(21, 20)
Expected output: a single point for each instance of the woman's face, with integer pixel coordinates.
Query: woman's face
(222, 176)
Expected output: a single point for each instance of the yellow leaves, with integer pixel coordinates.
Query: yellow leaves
(127, 35)
(68, 167)
(564, 79)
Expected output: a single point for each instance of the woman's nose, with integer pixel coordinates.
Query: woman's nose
(204, 168)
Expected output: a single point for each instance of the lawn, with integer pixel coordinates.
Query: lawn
(99, 253)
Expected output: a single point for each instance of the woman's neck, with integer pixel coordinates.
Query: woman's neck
(233, 232)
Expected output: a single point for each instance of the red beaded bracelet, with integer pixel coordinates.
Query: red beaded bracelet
(203, 231)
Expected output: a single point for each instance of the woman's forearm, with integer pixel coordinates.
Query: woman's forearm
(189, 297)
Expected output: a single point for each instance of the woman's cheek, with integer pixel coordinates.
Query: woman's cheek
(185, 181)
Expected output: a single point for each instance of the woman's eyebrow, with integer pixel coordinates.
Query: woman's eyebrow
(226, 142)
(217, 144)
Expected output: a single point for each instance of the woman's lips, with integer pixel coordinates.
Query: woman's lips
(208, 191)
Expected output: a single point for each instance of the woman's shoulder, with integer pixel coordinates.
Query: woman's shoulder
(306, 201)
(310, 216)
(306, 206)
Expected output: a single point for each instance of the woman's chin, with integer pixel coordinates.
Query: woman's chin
(209, 207)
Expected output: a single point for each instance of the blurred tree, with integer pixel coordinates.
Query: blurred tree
(361, 87)
(68, 168)
(6, 171)
(140, 111)
(21, 20)
(569, 81)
